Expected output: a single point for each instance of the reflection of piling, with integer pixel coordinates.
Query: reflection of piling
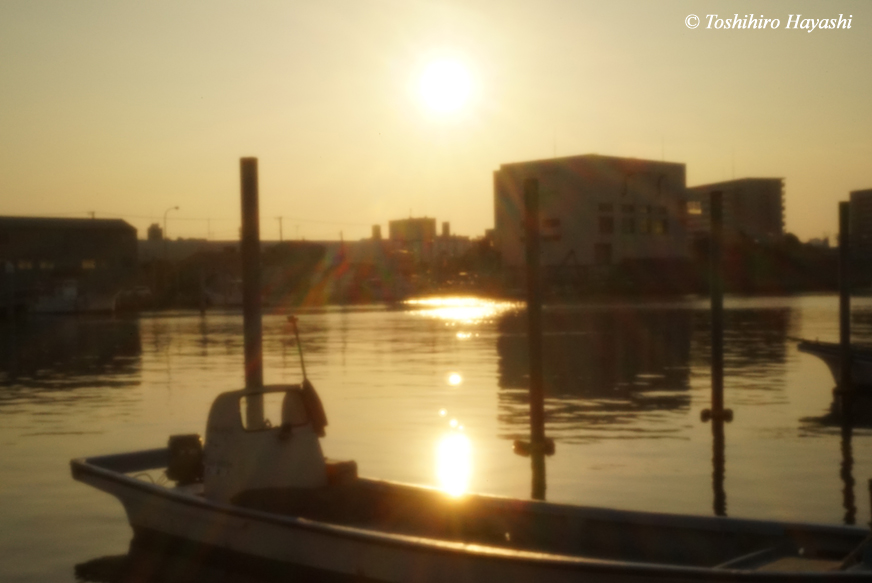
(845, 384)
(719, 464)
(250, 246)
(847, 475)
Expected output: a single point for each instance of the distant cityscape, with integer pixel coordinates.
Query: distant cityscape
(608, 225)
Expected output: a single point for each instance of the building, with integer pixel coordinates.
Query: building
(594, 211)
(861, 223)
(412, 231)
(40, 254)
(414, 236)
(752, 207)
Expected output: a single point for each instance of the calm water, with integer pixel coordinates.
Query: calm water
(435, 392)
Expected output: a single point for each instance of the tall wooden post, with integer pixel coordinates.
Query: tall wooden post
(718, 415)
(716, 288)
(534, 335)
(845, 381)
(251, 291)
(717, 301)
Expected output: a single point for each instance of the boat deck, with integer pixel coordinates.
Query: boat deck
(561, 529)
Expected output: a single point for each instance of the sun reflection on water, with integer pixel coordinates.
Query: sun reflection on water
(460, 309)
(454, 463)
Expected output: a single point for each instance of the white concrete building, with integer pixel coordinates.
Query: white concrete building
(594, 210)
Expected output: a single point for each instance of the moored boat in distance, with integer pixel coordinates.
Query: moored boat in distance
(262, 495)
(830, 353)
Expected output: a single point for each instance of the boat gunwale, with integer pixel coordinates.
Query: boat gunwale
(552, 560)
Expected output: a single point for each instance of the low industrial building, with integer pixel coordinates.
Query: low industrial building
(39, 255)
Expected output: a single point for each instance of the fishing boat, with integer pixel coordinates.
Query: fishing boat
(830, 353)
(265, 497)
(260, 494)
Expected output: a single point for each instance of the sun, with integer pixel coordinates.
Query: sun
(445, 85)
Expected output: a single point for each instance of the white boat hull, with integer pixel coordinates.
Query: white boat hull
(317, 550)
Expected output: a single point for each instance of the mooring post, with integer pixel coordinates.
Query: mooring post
(534, 334)
(717, 414)
(845, 381)
(250, 245)
(717, 301)
(534, 310)
(716, 291)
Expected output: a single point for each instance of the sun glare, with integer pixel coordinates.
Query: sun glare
(454, 463)
(445, 85)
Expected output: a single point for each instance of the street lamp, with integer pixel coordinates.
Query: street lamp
(166, 249)
(173, 208)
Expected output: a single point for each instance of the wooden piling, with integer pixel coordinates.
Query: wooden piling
(845, 381)
(717, 414)
(250, 247)
(717, 301)
(534, 334)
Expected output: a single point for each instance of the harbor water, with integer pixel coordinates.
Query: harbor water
(434, 391)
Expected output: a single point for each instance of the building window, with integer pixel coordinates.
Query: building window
(694, 207)
(644, 226)
(46, 265)
(24, 264)
(606, 207)
(628, 225)
(602, 254)
(659, 227)
(628, 208)
(606, 225)
(89, 264)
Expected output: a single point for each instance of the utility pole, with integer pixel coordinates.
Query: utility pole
(279, 219)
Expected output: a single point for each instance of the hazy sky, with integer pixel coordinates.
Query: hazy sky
(127, 109)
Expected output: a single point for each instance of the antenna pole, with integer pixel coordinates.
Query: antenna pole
(293, 321)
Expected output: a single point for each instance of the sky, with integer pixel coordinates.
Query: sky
(129, 109)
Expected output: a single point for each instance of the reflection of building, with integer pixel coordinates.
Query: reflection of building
(39, 254)
(755, 347)
(67, 353)
(753, 207)
(602, 367)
